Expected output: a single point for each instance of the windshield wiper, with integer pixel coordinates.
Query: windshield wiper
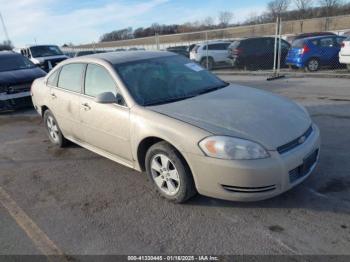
(212, 89)
(168, 101)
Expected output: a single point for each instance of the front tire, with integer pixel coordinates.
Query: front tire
(53, 131)
(169, 173)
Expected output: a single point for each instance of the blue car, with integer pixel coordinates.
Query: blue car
(314, 52)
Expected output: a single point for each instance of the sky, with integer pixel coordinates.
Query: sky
(78, 21)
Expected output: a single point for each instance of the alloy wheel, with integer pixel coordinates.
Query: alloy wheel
(52, 128)
(165, 174)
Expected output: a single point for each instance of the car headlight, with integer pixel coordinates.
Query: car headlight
(225, 147)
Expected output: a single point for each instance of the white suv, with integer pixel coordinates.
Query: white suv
(217, 53)
(344, 54)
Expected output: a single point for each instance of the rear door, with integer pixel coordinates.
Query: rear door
(218, 51)
(65, 91)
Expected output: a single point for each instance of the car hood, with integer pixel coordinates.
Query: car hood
(20, 76)
(242, 112)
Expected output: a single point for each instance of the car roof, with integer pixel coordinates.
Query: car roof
(320, 37)
(215, 42)
(122, 57)
(8, 54)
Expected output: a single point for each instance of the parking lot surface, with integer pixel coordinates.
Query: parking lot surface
(86, 204)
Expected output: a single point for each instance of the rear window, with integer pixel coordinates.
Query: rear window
(298, 43)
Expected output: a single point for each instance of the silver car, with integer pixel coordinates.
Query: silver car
(160, 113)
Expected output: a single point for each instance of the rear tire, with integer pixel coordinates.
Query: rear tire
(169, 173)
(313, 65)
(210, 63)
(53, 130)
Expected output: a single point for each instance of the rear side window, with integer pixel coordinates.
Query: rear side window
(53, 79)
(71, 77)
(220, 46)
(98, 80)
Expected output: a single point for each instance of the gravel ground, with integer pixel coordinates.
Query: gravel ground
(87, 204)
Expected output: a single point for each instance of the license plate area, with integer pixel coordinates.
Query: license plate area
(302, 170)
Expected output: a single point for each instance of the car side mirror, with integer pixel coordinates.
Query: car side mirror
(106, 98)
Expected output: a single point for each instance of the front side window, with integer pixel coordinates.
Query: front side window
(327, 42)
(166, 79)
(98, 80)
(71, 77)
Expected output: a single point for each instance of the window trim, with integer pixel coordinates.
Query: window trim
(58, 70)
(116, 85)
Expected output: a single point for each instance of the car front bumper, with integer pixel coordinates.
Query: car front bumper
(253, 180)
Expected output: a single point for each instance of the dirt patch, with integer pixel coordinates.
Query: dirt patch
(57, 152)
(335, 185)
(33, 131)
(276, 228)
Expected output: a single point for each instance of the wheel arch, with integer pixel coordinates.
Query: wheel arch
(149, 141)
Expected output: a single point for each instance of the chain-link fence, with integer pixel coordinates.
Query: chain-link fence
(282, 47)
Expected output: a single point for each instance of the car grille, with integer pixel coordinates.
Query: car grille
(302, 170)
(25, 87)
(238, 189)
(296, 142)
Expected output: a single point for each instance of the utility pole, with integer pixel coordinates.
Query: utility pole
(4, 28)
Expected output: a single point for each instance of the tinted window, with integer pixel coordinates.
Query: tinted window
(222, 46)
(14, 62)
(298, 43)
(326, 42)
(166, 79)
(41, 51)
(71, 76)
(53, 79)
(98, 80)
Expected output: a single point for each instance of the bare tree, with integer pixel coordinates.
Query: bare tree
(208, 21)
(330, 6)
(303, 6)
(277, 7)
(6, 45)
(225, 18)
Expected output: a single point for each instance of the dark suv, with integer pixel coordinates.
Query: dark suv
(256, 53)
(16, 76)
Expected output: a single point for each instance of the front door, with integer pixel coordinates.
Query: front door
(105, 126)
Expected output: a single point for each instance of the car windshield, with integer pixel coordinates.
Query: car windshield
(166, 79)
(14, 62)
(41, 51)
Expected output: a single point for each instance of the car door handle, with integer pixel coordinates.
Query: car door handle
(53, 96)
(86, 106)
